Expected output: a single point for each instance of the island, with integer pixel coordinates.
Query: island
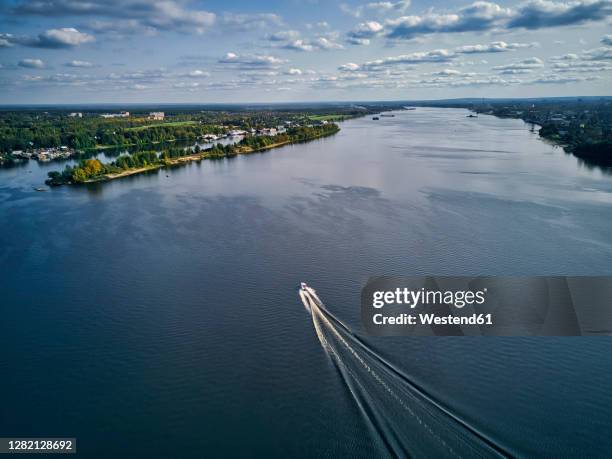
(93, 170)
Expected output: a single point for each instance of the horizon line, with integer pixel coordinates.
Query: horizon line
(397, 101)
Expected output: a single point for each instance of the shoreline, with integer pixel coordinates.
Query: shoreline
(568, 148)
(245, 150)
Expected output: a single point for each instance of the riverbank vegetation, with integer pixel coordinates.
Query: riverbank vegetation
(581, 128)
(94, 128)
(93, 170)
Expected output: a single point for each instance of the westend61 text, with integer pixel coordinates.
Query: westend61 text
(432, 319)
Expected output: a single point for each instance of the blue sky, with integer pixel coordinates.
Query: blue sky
(85, 51)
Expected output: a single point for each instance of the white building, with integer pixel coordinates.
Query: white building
(158, 116)
(116, 115)
(268, 131)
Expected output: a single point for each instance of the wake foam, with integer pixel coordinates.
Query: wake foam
(404, 419)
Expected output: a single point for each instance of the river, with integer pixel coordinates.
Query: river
(158, 314)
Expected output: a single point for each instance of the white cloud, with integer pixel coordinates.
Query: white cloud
(53, 38)
(299, 45)
(494, 47)
(447, 73)
(119, 28)
(523, 66)
(604, 52)
(32, 63)
(65, 37)
(582, 66)
(326, 43)
(593, 60)
(561, 79)
(358, 41)
(198, 74)
(187, 86)
(159, 14)
(4, 42)
(389, 7)
(453, 78)
(484, 15)
(142, 76)
(318, 43)
(377, 8)
(251, 61)
(247, 21)
(364, 31)
(284, 35)
(350, 67)
(515, 71)
(537, 14)
(478, 16)
(565, 57)
(77, 63)
(437, 55)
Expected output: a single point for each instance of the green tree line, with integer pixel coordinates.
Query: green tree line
(91, 169)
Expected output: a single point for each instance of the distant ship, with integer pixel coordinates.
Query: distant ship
(471, 115)
(388, 116)
(409, 108)
(376, 118)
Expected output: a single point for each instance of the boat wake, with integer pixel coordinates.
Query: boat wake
(403, 418)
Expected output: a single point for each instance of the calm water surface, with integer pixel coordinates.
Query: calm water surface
(158, 314)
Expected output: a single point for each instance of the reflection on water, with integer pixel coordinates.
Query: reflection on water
(162, 306)
(604, 167)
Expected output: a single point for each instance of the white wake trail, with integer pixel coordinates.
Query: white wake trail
(405, 420)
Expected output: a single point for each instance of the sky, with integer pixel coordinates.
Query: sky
(182, 51)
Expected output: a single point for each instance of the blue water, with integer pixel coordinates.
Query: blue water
(158, 314)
